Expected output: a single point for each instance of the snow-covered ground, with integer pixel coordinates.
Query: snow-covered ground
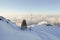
(9, 31)
(47, 32)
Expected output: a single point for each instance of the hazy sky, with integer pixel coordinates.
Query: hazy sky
(17, 7)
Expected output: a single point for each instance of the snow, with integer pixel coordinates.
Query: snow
(9, 31)
(43, 22)
(47, 32)
(53, 30)
(1, 17)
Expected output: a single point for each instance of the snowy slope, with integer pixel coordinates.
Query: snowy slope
(47, 32)
(9, 31)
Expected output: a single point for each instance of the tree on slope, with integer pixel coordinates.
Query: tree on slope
(23, 25)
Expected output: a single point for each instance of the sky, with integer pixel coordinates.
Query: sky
(18, 7)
